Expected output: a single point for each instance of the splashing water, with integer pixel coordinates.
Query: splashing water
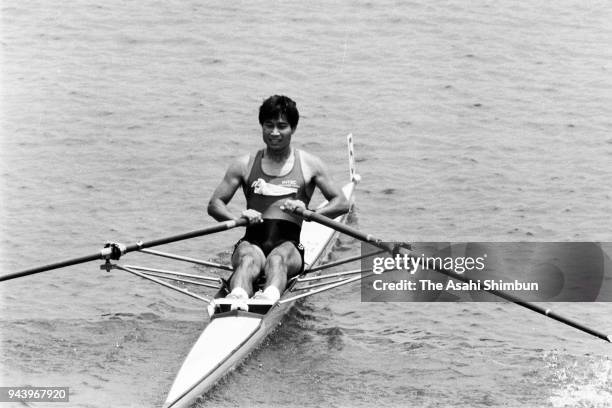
(586, 383)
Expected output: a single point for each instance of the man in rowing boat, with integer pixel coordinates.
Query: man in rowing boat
(276, 177)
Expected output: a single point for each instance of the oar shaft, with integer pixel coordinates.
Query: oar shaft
(547, 312)
(312, 216)
(57, 265)
(222, 226)
(572, 323)
(309, 215)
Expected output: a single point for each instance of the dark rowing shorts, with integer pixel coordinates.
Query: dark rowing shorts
(271, 233)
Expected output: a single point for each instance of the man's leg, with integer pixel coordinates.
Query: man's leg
(248, 262)
(282, 263)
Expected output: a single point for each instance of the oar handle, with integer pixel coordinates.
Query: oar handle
(328, 222)
(106, 252)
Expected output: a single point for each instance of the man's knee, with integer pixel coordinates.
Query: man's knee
(285, 259)
(247, 255)
(247, 259)
(275, 261)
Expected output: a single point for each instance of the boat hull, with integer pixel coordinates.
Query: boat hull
(223, 345)
(231, 336)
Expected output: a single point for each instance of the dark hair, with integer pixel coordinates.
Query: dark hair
(277, 105)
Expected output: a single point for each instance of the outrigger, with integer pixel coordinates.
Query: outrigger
(232, 334)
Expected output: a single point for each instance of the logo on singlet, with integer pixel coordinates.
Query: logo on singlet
(290, 184)
(260, 187)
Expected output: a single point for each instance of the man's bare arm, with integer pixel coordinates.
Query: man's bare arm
(217, 205)
(337, 202)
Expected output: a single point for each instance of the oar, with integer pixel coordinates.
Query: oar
(312, 216)
(105, 253)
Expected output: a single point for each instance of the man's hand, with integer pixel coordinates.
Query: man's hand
(291, 205)
(253, 216)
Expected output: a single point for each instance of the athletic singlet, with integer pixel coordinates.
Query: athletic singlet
(266, 193)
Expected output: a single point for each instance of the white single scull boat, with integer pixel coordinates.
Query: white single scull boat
(231, 335)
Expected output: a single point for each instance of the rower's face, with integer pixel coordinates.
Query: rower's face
(277, 133)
